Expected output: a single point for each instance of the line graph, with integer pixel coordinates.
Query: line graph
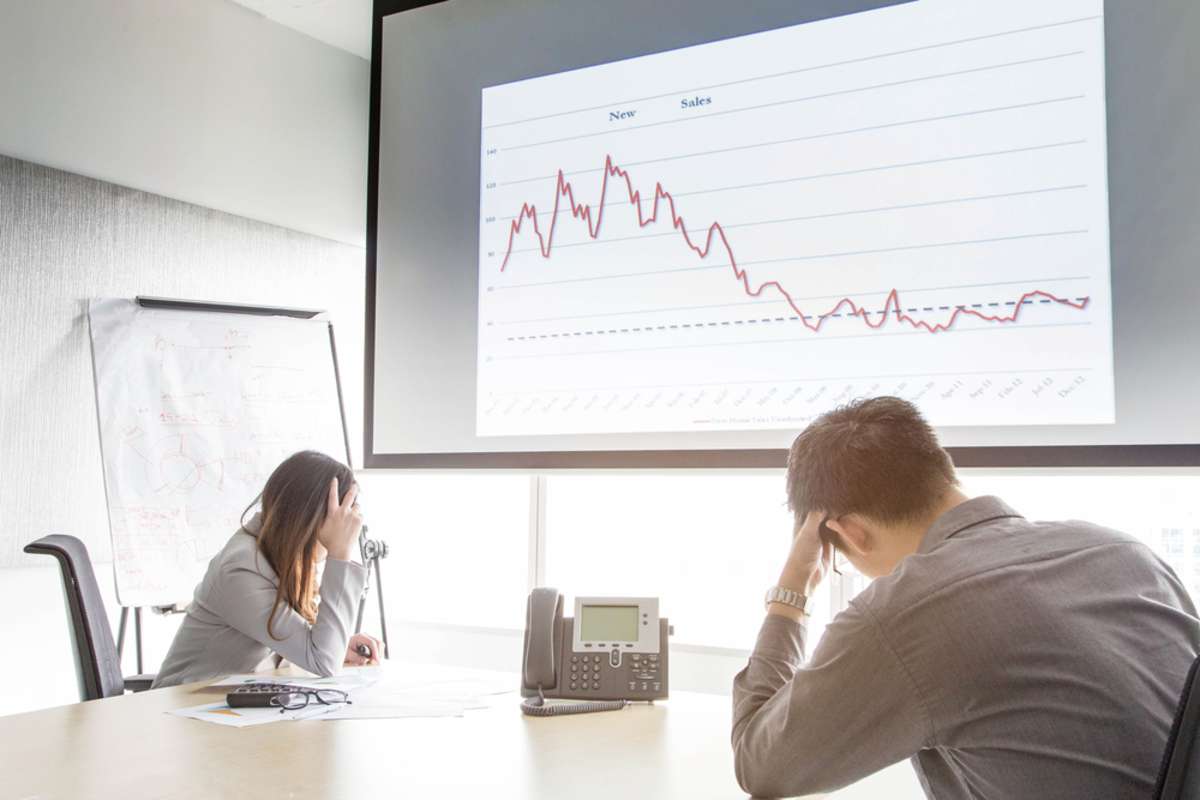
(716, 234)
(855, 195)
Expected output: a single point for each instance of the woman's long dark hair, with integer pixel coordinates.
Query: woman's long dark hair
(294, 503)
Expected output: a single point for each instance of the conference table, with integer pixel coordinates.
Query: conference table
(129, 747)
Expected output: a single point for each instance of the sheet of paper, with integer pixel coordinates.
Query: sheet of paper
(414, 708)
(222, 714)
(434, 681)
(394, 691)
(347, 682)
(444, 690)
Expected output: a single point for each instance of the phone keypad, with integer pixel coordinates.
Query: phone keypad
(585, 673)
(610, 670)
(641, 673)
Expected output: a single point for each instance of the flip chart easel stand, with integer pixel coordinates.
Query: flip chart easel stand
(371, 550)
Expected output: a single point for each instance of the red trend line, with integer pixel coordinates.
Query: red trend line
(717, 233)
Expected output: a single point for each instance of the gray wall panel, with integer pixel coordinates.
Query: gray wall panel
(65, 239)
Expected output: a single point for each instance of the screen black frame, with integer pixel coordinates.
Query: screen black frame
(1040, 456)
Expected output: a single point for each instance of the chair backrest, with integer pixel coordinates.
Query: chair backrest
(1179, 775)
(96, 664)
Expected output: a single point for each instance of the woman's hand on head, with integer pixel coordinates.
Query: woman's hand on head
(357, 659)
(342, 522)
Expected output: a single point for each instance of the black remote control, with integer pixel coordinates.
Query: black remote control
(258, 695)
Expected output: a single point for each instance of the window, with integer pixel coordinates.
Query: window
(709, 545)
(458, 542)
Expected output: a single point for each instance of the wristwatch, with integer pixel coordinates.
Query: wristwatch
(788, 597)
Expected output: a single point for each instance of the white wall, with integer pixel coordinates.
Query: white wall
(64, 239)
(198, 100)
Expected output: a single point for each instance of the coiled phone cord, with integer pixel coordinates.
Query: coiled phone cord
(536, 706)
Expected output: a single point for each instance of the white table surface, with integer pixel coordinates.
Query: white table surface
(127, 747)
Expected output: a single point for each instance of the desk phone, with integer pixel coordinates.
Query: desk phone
(613, 651)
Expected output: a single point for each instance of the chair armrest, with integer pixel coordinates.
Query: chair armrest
(139, 683)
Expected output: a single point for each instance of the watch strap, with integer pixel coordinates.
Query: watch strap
(788, 597)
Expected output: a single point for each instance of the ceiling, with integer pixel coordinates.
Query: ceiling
(345, 24)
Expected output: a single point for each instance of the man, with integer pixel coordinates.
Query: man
(1007, 658)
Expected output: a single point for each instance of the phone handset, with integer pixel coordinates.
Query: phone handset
(543, 637)
(539, 668)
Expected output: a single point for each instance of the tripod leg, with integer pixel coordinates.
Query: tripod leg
(137, 632)
(121, 632)
(382, 614)
(362, 603)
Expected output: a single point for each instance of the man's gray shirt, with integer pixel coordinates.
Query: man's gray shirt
(1007, 658)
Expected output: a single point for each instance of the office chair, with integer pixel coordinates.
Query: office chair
(1179, 775)
(97, 666)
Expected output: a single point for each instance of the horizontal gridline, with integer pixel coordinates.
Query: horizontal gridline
(828, 134)
(778, 103)
(824, 175)
(802, 70)
(907, 290)
(796, 379)
(810, 339)
(792, 318)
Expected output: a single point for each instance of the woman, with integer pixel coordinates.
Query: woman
(259, 595)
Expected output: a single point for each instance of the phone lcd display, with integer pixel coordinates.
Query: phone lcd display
(608, 623)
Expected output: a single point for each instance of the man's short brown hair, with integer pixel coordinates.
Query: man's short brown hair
(877, 457)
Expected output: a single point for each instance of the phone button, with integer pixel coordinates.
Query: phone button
(614, 658)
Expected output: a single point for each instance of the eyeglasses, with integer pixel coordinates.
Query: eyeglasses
(300, 698)
(831, 539)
